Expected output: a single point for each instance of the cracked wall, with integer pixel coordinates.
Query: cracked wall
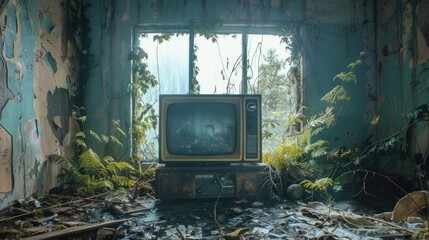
(38, 78)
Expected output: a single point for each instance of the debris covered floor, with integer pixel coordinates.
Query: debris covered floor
(114, 217)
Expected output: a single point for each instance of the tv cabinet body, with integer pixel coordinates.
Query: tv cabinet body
(250, 181)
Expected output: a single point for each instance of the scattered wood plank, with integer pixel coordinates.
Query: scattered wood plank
(37, 230)
(73, 224)
(47, 208)
(19, 210)
(75, 230)
(60, 209)
(45, 219)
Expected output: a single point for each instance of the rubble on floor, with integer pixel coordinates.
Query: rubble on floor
(115, 216)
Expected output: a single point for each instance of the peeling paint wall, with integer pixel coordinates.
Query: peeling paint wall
(403, 77)
(38, 72)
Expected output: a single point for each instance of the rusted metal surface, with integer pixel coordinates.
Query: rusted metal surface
(172, 185)
(249, 181)
(253, 185)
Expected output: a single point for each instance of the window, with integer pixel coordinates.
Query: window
(216, 63)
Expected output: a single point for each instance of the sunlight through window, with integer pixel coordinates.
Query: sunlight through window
(219, 65)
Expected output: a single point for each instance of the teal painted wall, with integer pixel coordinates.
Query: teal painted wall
(37, 58)
(107, 92)
(402, 79)
(328, 50)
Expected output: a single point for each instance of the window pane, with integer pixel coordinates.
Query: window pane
(257, 48)
(169, 64)
(219, 64)
(267, 71)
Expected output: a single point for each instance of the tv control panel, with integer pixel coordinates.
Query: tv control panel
(252, 113)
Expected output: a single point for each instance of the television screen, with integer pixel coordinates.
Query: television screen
(201, 128)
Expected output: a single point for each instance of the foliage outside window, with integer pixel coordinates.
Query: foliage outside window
(217, 69)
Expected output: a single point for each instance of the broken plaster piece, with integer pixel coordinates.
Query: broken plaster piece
(5, 93)
(5, 161)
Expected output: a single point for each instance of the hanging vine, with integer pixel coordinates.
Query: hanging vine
(144, 115)
(195, 71)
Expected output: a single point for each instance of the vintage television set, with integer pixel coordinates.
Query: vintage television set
(210, 129)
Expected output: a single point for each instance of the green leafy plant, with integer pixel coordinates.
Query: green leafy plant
(321, 185)
(195, 71)
(145, 180)
(88, 172)
(144, 115)
(304, 145)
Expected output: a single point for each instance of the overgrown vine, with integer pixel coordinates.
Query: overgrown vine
(195, 70)
(144, 115)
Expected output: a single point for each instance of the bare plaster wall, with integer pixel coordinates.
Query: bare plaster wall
(38, 81)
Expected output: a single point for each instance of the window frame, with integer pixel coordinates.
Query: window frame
(192, 29)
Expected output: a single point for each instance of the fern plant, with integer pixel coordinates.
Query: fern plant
(321, 185)
(304, 147)
(88, 172)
